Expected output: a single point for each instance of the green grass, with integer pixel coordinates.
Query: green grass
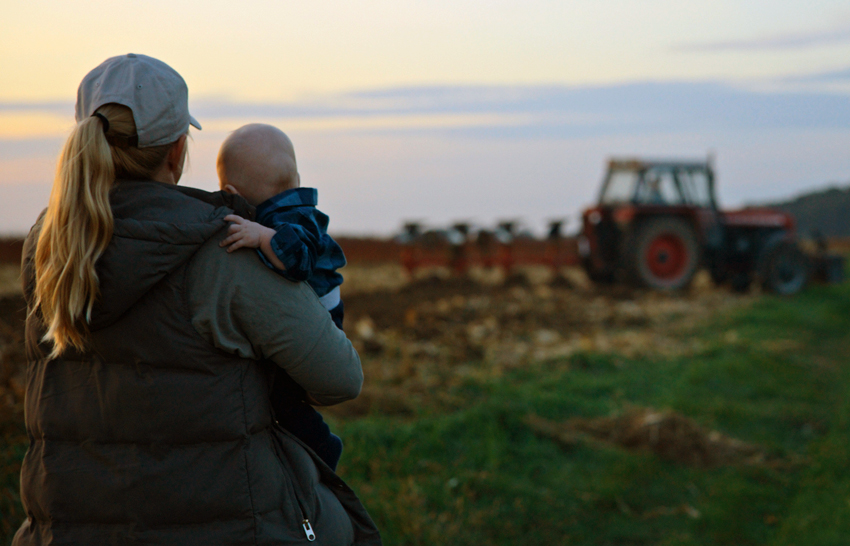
(773, 374)
(13, 446)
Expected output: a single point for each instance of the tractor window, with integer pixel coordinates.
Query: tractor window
(658, 187)
(620, 188)
(695, 187)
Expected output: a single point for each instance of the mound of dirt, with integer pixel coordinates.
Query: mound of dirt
(669, 435)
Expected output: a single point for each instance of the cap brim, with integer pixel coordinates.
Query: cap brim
(194, 123)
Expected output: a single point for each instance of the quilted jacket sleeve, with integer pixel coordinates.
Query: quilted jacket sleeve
(244, 308)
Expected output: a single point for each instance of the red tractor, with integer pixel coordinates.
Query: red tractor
(657, 222)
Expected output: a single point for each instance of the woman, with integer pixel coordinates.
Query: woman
(150, 349)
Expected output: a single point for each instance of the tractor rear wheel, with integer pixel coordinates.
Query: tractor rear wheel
(786, 269)
(665, 254)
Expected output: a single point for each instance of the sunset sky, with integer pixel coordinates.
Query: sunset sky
(445, 111)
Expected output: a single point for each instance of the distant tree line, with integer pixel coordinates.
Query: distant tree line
(827, 211)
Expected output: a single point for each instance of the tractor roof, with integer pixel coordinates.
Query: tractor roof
(634, 164)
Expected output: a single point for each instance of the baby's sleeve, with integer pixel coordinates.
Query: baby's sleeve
(298, 244)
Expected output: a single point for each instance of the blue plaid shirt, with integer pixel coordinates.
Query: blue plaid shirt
(302, 242)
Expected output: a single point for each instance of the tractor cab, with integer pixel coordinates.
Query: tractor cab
(641, 183)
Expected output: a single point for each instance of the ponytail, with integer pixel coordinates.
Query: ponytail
(77, 226)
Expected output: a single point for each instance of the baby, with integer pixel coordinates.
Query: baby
(258, 162)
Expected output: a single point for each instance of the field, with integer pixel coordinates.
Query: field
(539, 409)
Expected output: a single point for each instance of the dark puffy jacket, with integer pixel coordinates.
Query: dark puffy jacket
(155, 436)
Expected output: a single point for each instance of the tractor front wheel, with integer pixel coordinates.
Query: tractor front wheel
(665, 254)
(786, 269)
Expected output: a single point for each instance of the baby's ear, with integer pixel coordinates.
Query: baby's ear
(230, 189)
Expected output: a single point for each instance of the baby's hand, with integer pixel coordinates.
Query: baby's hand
(245, 233)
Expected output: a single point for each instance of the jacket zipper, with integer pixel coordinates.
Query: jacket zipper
(308, 530)
(305, 522)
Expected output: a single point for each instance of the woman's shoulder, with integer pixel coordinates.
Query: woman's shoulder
(150, 201)
(237, 203)
(242, 307)
(218, 271)
(227, 287)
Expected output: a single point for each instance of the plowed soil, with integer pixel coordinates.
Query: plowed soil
(417, 336)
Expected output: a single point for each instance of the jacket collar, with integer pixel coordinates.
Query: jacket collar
(290, 198)
(157, 229)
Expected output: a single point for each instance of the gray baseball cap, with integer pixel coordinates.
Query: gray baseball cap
(154, 91)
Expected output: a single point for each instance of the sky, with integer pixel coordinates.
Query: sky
(465, 110)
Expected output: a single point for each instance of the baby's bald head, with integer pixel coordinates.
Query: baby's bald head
(258, 161)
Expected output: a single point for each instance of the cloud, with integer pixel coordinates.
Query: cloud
(452, 152)
(546, 112)
(799, 40)
(625, 108)
(831, 76)
(53, 107)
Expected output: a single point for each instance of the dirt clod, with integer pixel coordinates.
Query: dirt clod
(669, 435)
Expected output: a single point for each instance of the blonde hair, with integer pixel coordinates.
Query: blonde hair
(77, 226)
